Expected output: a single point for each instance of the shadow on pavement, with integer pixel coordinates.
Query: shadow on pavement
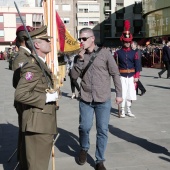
(8, 144)
(68, 143)
(155, 77)
(162, 87)
(151, 147)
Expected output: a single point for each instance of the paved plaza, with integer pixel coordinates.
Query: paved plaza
(141, 143)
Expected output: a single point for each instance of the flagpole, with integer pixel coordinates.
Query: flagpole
(52, 58)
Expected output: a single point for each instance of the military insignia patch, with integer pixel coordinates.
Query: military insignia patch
(29, 76)
(33, 60)
(20, 64)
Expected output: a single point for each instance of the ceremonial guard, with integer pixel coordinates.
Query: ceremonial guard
(39, 115)
(129, 68)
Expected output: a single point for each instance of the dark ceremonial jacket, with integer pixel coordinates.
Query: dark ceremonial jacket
(128, 59)
(38, 116)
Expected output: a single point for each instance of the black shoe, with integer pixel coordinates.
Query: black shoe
(142, 93)
(100, 166)
(82, 157)
(159, 75)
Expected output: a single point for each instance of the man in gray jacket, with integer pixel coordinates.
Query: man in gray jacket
(95, 94)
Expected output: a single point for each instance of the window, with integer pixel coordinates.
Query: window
(93, 7)
(66, 7)
(119, 16)
(18, 20)
(107, 4)
(1, 33)
(56, 7)
(83, 23)
(83, 8)
(66, 20)
(37, 20)
(1, 19)
(93, 21)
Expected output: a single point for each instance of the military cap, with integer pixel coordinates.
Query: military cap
(40, 33)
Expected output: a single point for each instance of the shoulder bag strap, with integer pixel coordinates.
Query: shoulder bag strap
(90, 62)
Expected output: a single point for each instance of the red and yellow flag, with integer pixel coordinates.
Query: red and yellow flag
(66, 41)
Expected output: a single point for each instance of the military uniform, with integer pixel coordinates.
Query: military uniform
(21, 58)
(129, 68)
(39, 117)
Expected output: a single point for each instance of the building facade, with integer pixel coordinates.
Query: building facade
(157, 16)
(10, 20)
(105, 17)
(115, 12)
(88, 15)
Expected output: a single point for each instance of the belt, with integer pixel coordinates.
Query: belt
(127, 70)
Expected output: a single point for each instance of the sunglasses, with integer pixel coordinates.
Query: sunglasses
(84, 38)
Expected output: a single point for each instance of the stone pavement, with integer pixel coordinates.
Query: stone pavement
(141, 143)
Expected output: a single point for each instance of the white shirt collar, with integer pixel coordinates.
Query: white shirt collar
(25, 49)
(43, 59)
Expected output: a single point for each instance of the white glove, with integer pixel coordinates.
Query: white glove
(51, 97)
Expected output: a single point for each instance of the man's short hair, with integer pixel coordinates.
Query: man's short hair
(86, 30)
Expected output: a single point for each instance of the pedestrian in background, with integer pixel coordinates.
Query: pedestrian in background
(140, 86)
(73, 82)
(95, 94)
(39, 116)
(166, 60)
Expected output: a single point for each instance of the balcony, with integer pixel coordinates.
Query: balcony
(107, 8)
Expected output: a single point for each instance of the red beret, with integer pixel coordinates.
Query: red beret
(21, 28)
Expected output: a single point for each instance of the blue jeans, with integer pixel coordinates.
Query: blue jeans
(102, 113)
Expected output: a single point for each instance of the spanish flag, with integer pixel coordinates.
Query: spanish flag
(66, 42)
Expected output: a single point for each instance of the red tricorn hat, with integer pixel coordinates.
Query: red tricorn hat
(126, 35)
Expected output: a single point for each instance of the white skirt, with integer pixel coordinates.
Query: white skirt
(128, 88)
